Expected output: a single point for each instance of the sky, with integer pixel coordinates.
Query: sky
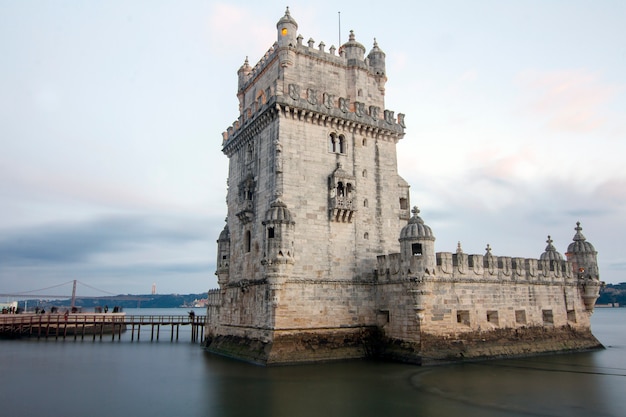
(112, 113)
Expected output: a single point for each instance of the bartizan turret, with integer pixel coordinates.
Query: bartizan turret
(278, 239)
(417, 246)
(286, 32)
(584, 258)
(223, 256)
(376, 59)
(287, 28)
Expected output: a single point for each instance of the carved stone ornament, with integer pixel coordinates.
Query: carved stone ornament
(311, 96)
(532, 267)
(359, 108)
(389, 116)
(374, 112)
(401, 119)
(344, 104)
(328, 100)
(294, 91)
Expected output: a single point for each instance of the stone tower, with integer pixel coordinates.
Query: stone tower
(319, 258)
(313, 197)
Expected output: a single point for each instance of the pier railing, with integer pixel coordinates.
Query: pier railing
(96, 325)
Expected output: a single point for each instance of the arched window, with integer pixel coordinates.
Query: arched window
(366, 236)
(340, 189)
(365, 173)
(342, 144)
(365, 203)
(246, 241)
(332, 143)
(364, 142)
(337, 143)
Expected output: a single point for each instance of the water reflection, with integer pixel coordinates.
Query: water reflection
(563, 385)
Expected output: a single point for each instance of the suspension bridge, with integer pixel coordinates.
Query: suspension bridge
(75, 324)
(41, 294)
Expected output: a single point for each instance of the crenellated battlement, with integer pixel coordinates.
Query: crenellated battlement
(338, 57)
(479, 268)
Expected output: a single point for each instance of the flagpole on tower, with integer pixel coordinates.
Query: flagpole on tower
(339, 15)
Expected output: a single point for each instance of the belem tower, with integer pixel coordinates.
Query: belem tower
(322, 257)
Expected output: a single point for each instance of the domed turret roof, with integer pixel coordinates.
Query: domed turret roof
(416, 229)
(351, 45)
(287, 19)
(278, 213)
(224, 234)
(551, 253)
(245, 68)
(376, 49)
(580, 244)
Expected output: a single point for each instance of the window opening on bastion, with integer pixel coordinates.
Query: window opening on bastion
(416, 249)
(520, 316)
(270, 233)
(463, 317)
(492, 316)
(548, 317)
(571, 316)
(404, 204)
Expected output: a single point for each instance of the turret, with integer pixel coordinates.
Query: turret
(243, 73)
(376, 59)
(223, 256)
(286, 28)
(550, 259)
(417, 245)
(278, 239)
(585, 263)
(354, 51)
(583, 255)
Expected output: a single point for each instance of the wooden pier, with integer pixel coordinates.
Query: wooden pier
(98, 325)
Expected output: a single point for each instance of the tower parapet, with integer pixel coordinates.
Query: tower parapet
(294, 76)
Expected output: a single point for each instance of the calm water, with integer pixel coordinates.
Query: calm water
(123, 378)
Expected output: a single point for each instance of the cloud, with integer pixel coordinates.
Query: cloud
(569, 100)
(62, 243)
